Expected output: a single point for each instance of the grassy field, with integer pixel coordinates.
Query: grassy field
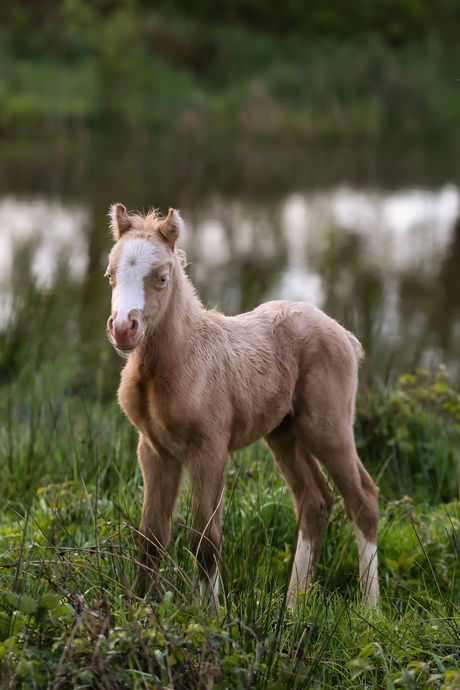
(70, 502)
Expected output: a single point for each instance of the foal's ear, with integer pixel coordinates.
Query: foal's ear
(171, 227)
(120, 221)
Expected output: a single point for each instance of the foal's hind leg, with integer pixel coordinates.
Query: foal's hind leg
(313, 497)
(361, 503)
(162, 475)
(335, 447)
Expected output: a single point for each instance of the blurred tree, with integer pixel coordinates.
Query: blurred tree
(71, 26)
(396, 21)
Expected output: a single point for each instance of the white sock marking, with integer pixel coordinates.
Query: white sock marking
(136, 260)
(209, 589)
(301, 570)
(368, 567)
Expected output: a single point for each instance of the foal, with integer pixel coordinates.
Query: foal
(198, 385)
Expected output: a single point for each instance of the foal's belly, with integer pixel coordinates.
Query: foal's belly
(241, 417)
(251, 425)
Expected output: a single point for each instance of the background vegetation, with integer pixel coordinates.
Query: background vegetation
(360, 70)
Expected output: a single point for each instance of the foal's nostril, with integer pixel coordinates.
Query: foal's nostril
(110, 325)
(133, 327)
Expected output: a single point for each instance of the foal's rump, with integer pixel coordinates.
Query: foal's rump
(328, 368)
(304, 339)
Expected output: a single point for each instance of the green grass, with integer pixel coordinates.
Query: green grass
(70, 501)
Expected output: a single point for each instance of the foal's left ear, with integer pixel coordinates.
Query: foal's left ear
(120, 221)
(171, 227)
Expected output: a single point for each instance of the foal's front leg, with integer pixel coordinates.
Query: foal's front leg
(207, 476)
(162, 475)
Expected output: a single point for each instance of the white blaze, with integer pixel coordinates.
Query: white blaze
(136, 260)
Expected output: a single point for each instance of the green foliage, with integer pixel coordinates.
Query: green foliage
(69, 507)
(413, 432)
(75, 65)
(66, 610)
(396, 21)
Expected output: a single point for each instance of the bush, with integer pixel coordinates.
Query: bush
(412, 434)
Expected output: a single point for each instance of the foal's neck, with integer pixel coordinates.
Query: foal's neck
(167, 341)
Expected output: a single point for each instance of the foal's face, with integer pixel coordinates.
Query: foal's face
(139, 271)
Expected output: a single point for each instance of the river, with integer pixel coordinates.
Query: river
(370, 236)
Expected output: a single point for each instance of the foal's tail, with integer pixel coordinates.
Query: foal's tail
(357, 347)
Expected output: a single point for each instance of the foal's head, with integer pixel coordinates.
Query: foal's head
(141, 265)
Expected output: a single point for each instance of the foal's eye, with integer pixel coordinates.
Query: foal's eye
(162, 281)
(110, 277)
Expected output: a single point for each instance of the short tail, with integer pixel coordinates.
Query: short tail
(357, 347)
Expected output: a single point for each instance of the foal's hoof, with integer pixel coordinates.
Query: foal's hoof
(298, 594)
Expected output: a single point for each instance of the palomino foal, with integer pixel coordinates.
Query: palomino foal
(198, 385)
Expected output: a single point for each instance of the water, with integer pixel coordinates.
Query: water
(372, 237)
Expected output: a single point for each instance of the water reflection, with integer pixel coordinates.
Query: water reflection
(383, 263)
(446, 309)
(53, 227)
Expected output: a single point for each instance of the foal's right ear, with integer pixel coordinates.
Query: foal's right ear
(171, 227)
(120, 221)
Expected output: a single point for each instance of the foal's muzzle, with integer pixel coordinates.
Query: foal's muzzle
(125, 334)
